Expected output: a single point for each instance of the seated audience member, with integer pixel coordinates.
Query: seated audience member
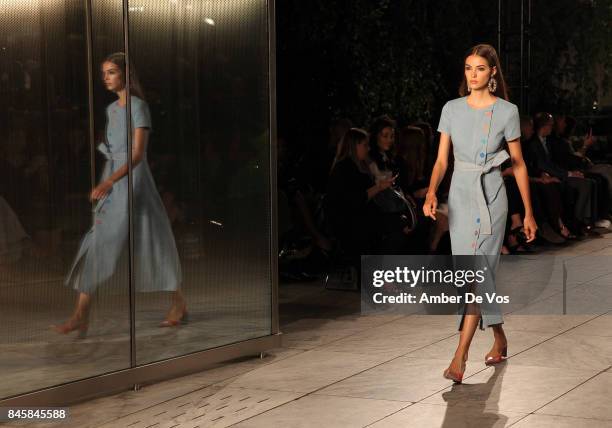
(411, 160)
(357, 222)
(298, 196)
(431, 149)
(382, 140)
(547, 215)
(580, 191)
(563, 153)
(319, 157)
(549, 192)
(603, 168)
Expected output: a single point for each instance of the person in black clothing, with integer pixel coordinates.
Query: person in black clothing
(599, 167)
(411, 161)
(579, 191)
(548, 190)
(545, 199)
(564, 155)
(355, 219)
(314, 168)
(431, 149)
(382, 140)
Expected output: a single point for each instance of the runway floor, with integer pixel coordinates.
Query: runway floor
(337, 368)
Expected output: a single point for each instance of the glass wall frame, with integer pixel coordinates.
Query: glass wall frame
(145, 354)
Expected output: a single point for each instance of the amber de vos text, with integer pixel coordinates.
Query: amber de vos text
(412, 277)
(440, 298)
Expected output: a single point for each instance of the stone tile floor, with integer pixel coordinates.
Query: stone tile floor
(338, 368)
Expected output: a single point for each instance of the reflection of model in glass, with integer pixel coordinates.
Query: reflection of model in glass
(156, 262)
(477, 123)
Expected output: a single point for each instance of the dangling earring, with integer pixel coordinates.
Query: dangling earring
(469, 88)
(492, 84)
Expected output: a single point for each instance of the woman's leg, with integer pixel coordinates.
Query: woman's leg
(79, 319)
(83, 304)
(500, 342)
(468, 328)
(177, 311)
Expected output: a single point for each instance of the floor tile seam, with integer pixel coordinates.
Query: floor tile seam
(486, 368)
(320, 394)
(270, 409)
(592, 251)
(165, 402)
(558, 334)
(572, 389)
(562, 416)
(389, 415)
(184, 394)
(255, 368)
(570, 288)
(574, 417)
(315, 391)
(150, 407)
(398, 356)
(356, 333)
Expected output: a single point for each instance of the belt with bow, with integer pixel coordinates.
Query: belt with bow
(494, 162)
(112, 156)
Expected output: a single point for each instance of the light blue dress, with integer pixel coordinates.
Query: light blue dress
(477, 201)
(156, 262)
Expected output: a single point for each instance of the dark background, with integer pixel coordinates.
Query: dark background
(362, 58)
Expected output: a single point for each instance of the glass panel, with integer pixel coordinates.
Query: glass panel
(46, 176)
(202, 223)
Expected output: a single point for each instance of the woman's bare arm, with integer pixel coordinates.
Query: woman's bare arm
(437, 175)
(139, 143)
(522, 180)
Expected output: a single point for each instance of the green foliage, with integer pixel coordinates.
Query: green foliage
(571, 47)
(362, 58)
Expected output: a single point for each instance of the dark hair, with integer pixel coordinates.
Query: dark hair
(377, 127)
(118, 58)
(525, 119)
(412, 151)
(489, 53)
(430, 144)
(348, 148)
(341, 122)
(570, 126)
(541, 119)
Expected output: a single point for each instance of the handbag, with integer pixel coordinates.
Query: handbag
(393, 201)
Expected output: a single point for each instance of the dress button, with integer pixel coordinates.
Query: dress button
(481, 154)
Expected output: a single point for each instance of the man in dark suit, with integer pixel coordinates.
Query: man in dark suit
(580, 191)
(563, 154)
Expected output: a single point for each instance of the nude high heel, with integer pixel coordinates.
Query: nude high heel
(183, 319)
(489, 361)
(456, 377)
(80, 325)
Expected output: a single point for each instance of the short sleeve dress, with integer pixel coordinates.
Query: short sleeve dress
(156, 261)
(477, 201)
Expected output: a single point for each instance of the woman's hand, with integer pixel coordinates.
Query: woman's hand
(530, 227)
(430, 205)
(101, 190)
(385, 183)
(588, 139)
